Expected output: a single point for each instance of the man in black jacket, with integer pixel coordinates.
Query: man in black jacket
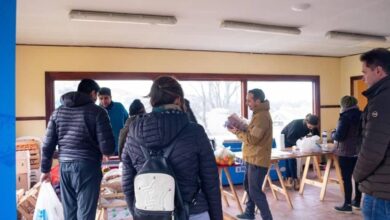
(372, 170)
(83, 134)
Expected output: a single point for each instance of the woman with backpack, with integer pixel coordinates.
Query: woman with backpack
(191, 159)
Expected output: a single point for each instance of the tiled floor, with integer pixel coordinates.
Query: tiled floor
(306, 206)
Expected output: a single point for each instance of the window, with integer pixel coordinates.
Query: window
(288, 101)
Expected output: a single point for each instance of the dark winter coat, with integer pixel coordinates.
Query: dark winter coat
(372, 170)
(81, 130)
(192, 158)
(295, 130)
(347, 133)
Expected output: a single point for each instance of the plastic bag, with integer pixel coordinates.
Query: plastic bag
(48, 206)
(224, 156)
(309, 144)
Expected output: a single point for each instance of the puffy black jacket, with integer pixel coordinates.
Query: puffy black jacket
(81, 130)
(192, 158)
(347, 133)
(372, 170)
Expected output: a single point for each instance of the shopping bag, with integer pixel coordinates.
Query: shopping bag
(48, 206)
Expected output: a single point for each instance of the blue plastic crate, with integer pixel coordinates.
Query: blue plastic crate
(282, 168)
(234, 145)
(237, 174)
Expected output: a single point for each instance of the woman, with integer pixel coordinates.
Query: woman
(295, 130)
(192, 159)
(348, 140)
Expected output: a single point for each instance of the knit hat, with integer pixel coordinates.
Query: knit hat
(136, 107)
(312, 119)
(105, 91)
(348, 101)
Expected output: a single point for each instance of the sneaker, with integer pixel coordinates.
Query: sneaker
(245, 216)
(355, 205)
(296, 184)
(344, 208)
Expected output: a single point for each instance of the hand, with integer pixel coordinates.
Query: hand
(106, 158)
(45, 177)
(233, 129)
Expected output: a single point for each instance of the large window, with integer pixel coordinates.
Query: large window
(213, 97)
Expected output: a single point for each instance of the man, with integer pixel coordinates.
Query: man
(83, 133)
(117, 113)
(257, 140)
(372, 170)
(295, 130)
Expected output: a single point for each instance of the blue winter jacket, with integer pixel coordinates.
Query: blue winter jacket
(118, 116)
(192, 158)
(81, 130)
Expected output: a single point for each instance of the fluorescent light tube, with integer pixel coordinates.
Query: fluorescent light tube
(99, 16)
(238, 25)
(354, 36)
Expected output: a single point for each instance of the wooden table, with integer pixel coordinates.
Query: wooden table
(224, 193)
(321, 181)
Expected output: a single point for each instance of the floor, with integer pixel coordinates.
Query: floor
(307, 206)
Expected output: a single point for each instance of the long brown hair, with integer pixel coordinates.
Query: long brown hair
(165, 90)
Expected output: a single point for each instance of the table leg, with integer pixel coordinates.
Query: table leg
(232, 188)
(284, 190)
(304, 176)
(221, 187)
(326, 177)
(338, 173)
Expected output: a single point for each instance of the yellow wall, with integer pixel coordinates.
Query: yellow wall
(33, 61)
(349, 66)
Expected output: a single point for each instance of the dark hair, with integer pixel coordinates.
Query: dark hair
(348, 101)
(377, 57)
(87, 86)
(136, 107)
(105, 91)
(312, 119)
(257, 94)
(165, 90)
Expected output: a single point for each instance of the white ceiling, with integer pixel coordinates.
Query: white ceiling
(46, 22)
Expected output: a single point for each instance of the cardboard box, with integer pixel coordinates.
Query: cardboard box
(22, 162)
(23, 181)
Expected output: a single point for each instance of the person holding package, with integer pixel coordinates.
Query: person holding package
(295, 130)
(83, 133)
(192, 158)
(136, 108)
(117, 113)
(372, 170)
(257, 145)
(348, 137)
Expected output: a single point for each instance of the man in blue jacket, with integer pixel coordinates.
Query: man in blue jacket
(117, 113)
(82, 131)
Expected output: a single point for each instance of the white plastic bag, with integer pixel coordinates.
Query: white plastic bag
(48, 206)
(309, 144)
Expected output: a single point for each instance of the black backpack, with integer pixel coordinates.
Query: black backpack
(157, 194)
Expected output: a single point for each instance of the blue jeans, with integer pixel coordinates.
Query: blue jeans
(375, 208)
(253, 181)
(291, 168)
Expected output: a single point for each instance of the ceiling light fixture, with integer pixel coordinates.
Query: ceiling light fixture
(238, 25)
(354, 36)
(100, 16)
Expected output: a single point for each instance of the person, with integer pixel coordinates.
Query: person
(189, 111)
(192, 158)
(372, 170)
(136, 108)
(117, 113)
(348, 143)
(83, 133)
(295, 130)
(257, 145)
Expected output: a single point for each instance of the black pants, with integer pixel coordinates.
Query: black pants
(291, 168)
(80, 186)
(254, 178)
(347, 164)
